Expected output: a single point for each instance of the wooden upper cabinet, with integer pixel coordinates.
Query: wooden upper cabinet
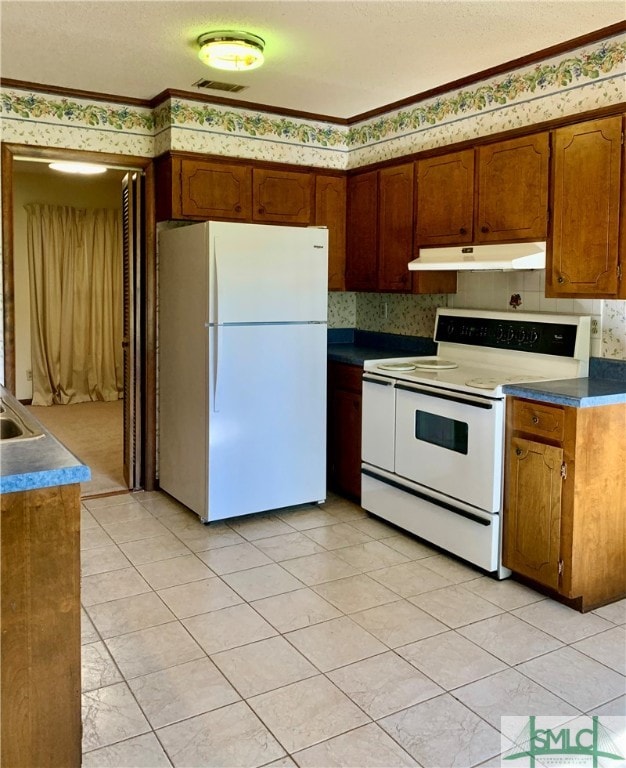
(512, 202)
(583, 258)
(284, 197)
(215, 190)
(330, 211)
(395, 227)
(445, 199)
(362, 232)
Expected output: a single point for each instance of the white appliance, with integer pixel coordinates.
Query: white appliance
(242, 366)
(493, 256)
(434, 427)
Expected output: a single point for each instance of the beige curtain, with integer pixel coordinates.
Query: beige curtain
(75, 266)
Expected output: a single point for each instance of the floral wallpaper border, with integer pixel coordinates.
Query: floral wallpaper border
(584, 79)
(36, 106)
(604, 61)
(585, 65)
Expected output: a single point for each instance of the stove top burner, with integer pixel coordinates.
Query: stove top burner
(397, 366)
(492, 383)
(435, 364)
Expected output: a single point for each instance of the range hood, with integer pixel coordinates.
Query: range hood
(474, 257)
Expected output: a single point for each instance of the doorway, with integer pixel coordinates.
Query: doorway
(94, 430)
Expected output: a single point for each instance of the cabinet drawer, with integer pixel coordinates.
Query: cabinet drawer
(538, 419)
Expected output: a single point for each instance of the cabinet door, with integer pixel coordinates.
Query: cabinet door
(395, 227)
(445, 199)
(362, 232)
(330, 211)
(213, 190)
(344, 428)
(586, 200)
(513, 189)
(283, 197)
(532, 518)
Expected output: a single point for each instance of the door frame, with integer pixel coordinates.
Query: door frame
(133, 162)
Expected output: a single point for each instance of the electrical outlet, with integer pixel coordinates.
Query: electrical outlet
(384, 310)
(29, 375)
(595, 328)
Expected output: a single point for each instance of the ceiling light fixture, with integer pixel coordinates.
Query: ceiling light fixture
(84, 169)
(234, 51)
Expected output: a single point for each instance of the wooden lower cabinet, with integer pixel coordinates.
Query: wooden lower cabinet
(40, 611)
(565, 499)
(344, 429)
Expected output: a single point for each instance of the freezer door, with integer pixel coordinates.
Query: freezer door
(267, 419)
(268, 274)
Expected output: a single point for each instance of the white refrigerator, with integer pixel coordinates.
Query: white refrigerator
(242, 366)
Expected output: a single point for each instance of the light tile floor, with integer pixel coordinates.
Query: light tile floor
(316, 637)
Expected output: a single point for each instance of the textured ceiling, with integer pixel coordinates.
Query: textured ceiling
(338, 58)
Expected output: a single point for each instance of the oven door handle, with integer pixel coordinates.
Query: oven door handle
(485, 404)
(382, 382)
(426, 497)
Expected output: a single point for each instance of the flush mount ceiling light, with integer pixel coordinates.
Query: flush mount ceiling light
(234, 51)
(85, 169)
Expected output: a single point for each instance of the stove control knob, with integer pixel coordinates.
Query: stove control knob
(521, 335)
(510, 333)
(500, 333)
(533, 335)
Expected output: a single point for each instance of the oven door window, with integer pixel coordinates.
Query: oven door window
(443, 431)
(453, 446)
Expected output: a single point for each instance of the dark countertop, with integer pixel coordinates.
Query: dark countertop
(580, 393)
(40, 462)
(355, 347)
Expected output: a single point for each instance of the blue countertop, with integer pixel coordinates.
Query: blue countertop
(41, 462)
(580, 393)
(355, 347)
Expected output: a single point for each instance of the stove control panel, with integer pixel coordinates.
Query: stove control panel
(522, 335)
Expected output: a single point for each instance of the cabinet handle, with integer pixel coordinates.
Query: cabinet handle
(518, 451)
(560, 279)
(484, 229)
(261, 210)
(238, 208)
(462, 231)
(535, 419)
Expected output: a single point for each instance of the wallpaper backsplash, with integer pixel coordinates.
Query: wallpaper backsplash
(415, 315)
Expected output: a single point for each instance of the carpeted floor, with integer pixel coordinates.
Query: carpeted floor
(94, 433)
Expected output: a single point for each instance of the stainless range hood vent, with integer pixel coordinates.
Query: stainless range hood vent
(500, 257)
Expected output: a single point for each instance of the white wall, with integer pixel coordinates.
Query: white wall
(57, 189)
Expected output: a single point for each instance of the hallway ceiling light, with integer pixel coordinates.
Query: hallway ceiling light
(85, 169)
(231, 50)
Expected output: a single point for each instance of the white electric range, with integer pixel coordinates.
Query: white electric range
(433, 426)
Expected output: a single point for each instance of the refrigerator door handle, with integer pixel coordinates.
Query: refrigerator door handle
(217, 339)
(217, 331)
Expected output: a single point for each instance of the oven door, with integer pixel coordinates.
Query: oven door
(451, 442)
